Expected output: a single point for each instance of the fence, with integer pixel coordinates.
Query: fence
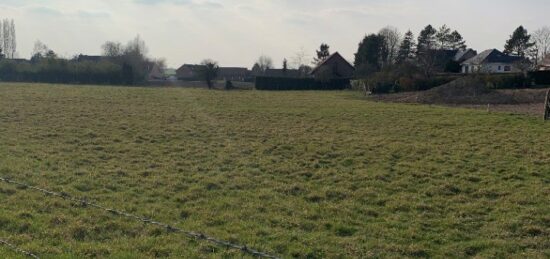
(170, 228)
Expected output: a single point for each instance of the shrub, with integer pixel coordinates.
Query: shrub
(505, 81)
(282, 84)
(540, 77)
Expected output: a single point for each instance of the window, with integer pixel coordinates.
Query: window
(507, 68)
(499, 68)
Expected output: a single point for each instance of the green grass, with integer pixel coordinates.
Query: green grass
(297, 174)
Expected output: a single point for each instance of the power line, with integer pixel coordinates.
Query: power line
(170, 228)
(17, 249)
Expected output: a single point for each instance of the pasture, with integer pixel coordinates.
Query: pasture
(295, 174)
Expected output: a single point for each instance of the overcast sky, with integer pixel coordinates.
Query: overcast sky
(236, 32)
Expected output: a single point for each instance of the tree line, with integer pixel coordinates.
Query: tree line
(119, 64)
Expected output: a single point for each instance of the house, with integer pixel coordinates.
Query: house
(293, 73)
(82, 58)
(337, 67)
(188, 72)
(544, 65)
(233, 73)
(492, 61)
(155, 72)
(464, 54)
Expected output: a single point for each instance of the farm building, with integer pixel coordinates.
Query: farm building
(271, 72)
(233, 73)
(492, 61)
(191, 72)
(335, 66)
(188, 72)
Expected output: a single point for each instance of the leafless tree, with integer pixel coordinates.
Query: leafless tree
(392, 39)
(209, 71)
(301, 58)
(40, 49)
(7, 38)
(13, 40)
(264, 63)
(542, 41)
(112, 49)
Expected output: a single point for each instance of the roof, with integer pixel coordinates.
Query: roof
(232, 70)
(335, 55)
(81, 58)
(461, 53)
(190, 66)
(491, 56)
(281, 73)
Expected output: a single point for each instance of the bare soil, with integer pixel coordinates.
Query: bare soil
(473, 94)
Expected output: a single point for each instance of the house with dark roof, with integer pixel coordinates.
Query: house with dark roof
(82, 58)
(464, 54)
(272, 72)
(190, 72)
(492, 61)
(233, 73)
(334, 66)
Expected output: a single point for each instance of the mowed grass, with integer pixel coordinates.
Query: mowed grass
(296, 174)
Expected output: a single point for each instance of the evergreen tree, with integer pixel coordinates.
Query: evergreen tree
(443, 36)
(456, 41)
(427, 39)
(322, 54)
(519, 42)
(426, 51)
(370, 54)
(406, 50)
(285, 66)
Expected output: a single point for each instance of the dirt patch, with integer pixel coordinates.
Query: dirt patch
(473, 93)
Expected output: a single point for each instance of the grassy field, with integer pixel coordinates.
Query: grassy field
(297, 174)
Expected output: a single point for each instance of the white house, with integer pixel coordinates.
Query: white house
(493, 61)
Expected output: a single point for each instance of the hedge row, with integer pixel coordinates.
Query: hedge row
(382, 83)
(540, 77)
(281, 84)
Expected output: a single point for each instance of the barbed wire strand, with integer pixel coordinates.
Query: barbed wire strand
(170, 228)
(17, 249)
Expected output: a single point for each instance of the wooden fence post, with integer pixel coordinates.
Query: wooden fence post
(547, 106)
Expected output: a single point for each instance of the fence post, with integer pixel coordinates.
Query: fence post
(547, 106)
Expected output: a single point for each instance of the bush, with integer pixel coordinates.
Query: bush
(282, 84)
(505, 81)
(540, 77)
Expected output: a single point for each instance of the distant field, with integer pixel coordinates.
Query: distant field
(296, 174)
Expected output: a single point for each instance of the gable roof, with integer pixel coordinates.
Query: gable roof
(460, 55)
(335, 55)
(491, 56)
(190, 66)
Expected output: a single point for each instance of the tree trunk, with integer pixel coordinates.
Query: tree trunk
(547, 106)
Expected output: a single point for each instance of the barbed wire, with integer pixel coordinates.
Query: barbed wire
(17, 249)
(170, 228)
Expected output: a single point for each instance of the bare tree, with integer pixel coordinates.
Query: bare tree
(209, 71)
(392, 39)
(40, 50)
(542, 42)
(301, 60)
(264, 63)
(6, 37)
(112, 49)
(13, 40)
